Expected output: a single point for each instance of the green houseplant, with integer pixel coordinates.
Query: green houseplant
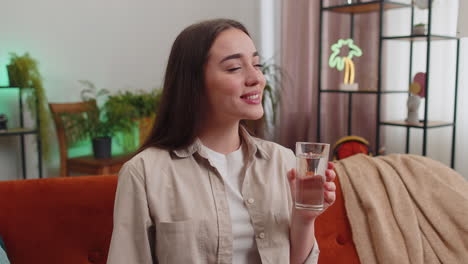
(23, 72)
(95, 124)
(129, 107)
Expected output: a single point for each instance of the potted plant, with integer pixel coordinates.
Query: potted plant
(23, 72)
(130, 107)
(419, 29)
(95, 124)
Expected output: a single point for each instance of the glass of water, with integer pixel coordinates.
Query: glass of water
(311, 163)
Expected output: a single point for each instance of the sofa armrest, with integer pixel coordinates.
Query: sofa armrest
(333, 233)
(57, 220)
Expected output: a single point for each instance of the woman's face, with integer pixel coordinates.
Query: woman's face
(233, 79)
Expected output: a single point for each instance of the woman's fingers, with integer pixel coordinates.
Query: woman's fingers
(329, 186)
(330, 197)
(330, 174)
(292, 181)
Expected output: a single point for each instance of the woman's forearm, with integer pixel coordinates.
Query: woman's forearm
(302, 236)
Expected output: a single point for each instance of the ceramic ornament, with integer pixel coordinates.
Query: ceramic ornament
(417, 91)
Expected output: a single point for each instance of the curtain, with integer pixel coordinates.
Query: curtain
(299, 59)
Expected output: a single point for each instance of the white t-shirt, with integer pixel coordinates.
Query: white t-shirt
(231, 167)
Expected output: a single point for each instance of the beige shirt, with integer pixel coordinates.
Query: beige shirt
(171, 206)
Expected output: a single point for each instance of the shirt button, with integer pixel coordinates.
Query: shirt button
(250, 200)
(261, 235)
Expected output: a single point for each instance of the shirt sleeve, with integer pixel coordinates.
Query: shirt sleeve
(314, 254)
(133, 233)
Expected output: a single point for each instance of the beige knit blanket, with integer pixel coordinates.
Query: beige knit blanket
(405, 209)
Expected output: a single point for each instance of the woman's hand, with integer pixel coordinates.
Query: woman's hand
(302, 221)
(329, 194)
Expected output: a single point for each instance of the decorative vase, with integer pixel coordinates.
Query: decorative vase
(102, 147)
(413, 106)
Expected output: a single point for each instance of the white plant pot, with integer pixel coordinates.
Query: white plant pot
(423, 4)
(419, 30)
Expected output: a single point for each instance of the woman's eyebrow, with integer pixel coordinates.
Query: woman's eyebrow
(237, 56)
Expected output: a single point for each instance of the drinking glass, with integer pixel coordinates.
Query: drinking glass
(311, 163)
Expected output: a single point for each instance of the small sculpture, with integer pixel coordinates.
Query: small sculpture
(417, 91)
(346, 62)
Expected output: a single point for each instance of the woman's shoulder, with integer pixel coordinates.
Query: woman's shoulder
(272, 148)
(276, 153)
(151, 159)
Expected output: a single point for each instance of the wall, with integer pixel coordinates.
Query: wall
(116, 44)
(441, 83)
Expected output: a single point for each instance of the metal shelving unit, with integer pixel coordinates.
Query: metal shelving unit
(22, 132)
(381, 6)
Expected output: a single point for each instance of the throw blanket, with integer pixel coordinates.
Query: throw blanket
(405, 209)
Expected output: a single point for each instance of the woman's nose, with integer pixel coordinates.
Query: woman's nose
(254, 76)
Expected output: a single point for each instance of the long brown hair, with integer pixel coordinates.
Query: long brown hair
(184, 85)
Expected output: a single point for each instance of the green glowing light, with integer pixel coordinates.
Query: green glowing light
(338, 62)
(9, 105)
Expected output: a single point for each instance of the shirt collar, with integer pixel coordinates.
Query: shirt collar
(252, 143)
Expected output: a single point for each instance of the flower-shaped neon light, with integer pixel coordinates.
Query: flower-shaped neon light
(346, 62)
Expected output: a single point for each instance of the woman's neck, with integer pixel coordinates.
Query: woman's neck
(223, 139)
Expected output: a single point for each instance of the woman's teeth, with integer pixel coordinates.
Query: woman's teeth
(251, 97)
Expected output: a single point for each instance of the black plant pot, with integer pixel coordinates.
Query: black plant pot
(102, 147)
(11, 70)
(3, 122)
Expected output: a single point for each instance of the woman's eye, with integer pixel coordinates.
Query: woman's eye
(259, 65)
(233, 69)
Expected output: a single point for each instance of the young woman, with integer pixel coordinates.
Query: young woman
(201, 189)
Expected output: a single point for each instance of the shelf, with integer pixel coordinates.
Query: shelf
(11, 87)
(430, 124)
(17, 131)
(362, 91)
(420, 37)
(372, 6)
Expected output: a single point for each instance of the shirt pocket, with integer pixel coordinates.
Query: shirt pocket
(179, 242)
(280, 230)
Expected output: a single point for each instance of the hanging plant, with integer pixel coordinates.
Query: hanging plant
(23, 72)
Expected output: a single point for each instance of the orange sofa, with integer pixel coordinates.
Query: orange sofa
(69, 221)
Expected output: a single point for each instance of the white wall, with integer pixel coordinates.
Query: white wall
(441, 83)
(117, 44)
